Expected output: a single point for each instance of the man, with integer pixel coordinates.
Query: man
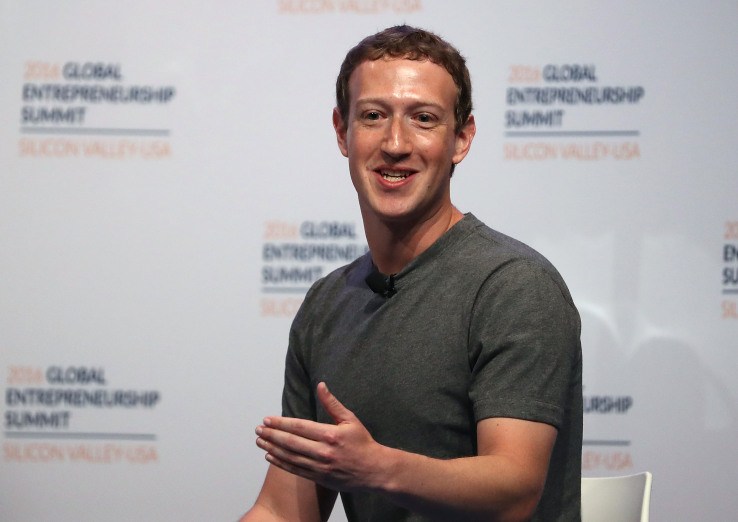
(451, 351)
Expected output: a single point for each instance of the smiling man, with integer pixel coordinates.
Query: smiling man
(451, 351)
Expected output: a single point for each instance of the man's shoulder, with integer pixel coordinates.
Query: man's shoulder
(485, 242)
(493, 254)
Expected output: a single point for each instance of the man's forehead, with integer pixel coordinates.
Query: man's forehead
(391, 62)
(421, 74)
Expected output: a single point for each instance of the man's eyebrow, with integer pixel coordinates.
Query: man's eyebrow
(411, 104)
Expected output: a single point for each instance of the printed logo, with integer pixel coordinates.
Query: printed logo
(41, 424)
(606, 453)
(67, 107)
(361, 7)
(730, 271)
(295, 255)
(542, 101)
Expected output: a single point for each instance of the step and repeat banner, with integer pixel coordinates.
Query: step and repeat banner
(170, 186)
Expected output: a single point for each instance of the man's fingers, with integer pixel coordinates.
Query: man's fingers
(301, 427)
(290, 439)
(287, 445)
(338, 412)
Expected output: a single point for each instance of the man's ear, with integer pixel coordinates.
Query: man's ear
(340, 127)
(464, 139)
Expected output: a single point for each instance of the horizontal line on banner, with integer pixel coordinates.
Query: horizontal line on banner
(730, 290)
(88, 436)
(570, 134)
(284, 290)
(606, 443)
(95, 131)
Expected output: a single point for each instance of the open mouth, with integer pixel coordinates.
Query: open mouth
(393, 176)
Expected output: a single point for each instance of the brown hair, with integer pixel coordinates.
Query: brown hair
(404, 41)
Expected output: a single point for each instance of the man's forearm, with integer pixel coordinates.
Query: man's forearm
(259, 513)
(285, 497)
(473, 488)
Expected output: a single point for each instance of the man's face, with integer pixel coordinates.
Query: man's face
(400, 138)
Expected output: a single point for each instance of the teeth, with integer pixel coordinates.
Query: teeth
(393, 176)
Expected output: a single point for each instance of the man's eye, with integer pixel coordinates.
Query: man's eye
(371, 115)
(425, 118)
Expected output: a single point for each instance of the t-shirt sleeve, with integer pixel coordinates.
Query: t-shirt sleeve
(524, 342)
(298, 399)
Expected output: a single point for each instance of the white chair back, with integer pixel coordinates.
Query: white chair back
(616, 499)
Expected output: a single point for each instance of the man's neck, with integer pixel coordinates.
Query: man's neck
(394, 244)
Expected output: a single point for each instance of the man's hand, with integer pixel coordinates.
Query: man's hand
(342, 457)
(504, 481)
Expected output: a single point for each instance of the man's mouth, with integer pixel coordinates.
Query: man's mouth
(393, 176)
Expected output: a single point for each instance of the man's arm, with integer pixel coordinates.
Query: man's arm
(288, 498)
(503, 482)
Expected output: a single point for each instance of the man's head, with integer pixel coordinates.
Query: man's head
(404, 124)
(407, 42)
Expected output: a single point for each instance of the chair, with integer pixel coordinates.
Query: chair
(616, 499)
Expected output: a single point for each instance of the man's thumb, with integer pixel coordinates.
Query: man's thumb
(338, 412)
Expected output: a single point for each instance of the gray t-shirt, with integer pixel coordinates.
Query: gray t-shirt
(480, 326)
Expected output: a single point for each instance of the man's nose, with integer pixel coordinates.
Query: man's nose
(397, 140)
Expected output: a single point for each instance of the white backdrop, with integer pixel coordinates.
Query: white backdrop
(170, 185)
